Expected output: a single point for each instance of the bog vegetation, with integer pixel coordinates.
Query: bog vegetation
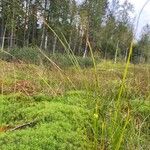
(73, 76)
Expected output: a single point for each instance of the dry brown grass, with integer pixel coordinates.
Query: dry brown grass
(30, 79)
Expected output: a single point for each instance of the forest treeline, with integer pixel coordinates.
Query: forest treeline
(57, 26)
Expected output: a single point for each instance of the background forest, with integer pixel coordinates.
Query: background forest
(47, 23)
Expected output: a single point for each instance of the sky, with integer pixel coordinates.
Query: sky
(145, 16)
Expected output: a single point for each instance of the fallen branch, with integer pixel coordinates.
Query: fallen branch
(33, 123)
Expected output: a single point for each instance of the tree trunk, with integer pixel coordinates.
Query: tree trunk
(46, 41)
(75, 44)
(70, 39)
(12, 31)
(26, 24)
(126, 55)
(11, 37)
(86, 47)
(3, 39)
(42, 38)
(116, 53)
(54, 44)
(80, 46)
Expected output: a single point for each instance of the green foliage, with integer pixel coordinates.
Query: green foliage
(144, 43)
(60, 125)
(107, 25)
(65, 61)
(64, 122)
(74, 117)
(28, 55)
(85, 62)
(33, 55)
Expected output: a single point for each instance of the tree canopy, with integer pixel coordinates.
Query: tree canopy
(45, 23)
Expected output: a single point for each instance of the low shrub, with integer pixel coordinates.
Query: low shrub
(28, 55)
(32, 55)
